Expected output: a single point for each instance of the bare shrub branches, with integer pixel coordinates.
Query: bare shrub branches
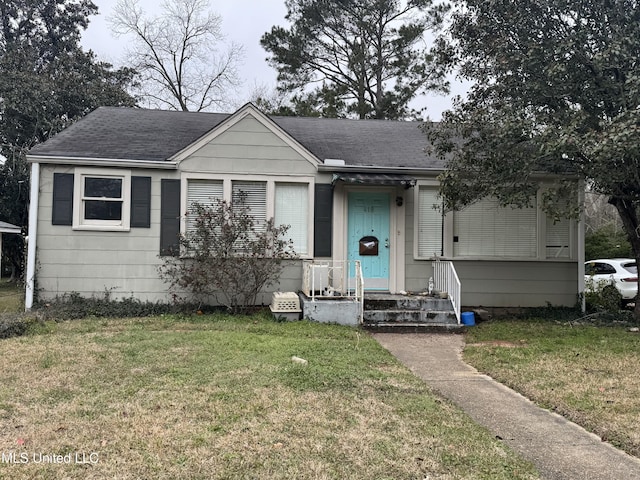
(228, 256)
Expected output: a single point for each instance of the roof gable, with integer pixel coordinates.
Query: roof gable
(247, 111)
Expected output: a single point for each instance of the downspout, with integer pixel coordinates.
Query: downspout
(33, 231)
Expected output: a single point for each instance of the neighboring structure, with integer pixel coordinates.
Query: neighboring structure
(7, 228)
(110, 193)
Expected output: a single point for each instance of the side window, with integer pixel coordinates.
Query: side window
(102, 200)
(604, 269)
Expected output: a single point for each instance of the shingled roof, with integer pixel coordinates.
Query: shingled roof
(157, 135)
(129, 134)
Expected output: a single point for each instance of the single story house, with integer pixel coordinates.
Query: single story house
(109, 197)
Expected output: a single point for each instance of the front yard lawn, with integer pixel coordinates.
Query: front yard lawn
(218, 397)
(589, 374)
(11, 297)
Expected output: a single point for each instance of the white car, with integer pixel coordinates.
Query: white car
(622, 273)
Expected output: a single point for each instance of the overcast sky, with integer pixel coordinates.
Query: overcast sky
(243, 22)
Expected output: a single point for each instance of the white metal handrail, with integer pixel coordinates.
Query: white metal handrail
(360, 288)
(329, 278)
(445, 279)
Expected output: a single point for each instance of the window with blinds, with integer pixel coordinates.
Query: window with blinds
(292, 208)
(254, 196)
(485, 229)
(429, 223)
(557, 238)
(204, 192)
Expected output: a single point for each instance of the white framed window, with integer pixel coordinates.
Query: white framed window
(102, 199)
(485, 229)
(291, 208)
(288, 200)
(429, 222)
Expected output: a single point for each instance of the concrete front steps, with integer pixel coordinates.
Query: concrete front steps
(415, 312)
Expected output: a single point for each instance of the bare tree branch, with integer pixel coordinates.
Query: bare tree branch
(178, 53)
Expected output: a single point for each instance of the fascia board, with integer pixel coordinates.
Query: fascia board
(379, 169)
(102, 162)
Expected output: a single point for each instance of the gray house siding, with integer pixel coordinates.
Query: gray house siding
(248, 148)
(121, 263)
(124, 263)
(518, 284)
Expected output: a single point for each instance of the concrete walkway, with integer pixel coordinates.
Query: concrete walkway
(560, 449)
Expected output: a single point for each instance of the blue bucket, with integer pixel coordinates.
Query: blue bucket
(468, 318)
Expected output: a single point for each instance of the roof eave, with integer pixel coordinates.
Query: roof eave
(378, 169)
(102, 162)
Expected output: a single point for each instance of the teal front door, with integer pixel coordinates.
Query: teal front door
(368, 237)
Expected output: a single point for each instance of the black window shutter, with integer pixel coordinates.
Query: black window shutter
(169, 217)
(62, 212)
(323, 207)
(141, 202)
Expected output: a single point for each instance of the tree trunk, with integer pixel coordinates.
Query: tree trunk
(627, 210)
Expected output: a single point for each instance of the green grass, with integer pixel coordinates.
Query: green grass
(219, 397)
(11, 297)
(587, 373)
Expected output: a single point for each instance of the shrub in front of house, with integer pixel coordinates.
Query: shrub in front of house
(602, 297)
(227, 256)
